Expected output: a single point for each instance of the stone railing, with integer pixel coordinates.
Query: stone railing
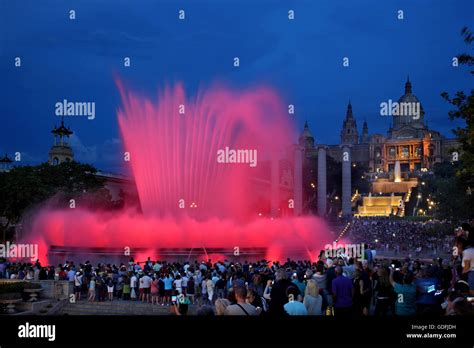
(55, 289)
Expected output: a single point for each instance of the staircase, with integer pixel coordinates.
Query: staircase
(117, 307)
(379, 205)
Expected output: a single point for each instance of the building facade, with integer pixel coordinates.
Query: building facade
(408, 140)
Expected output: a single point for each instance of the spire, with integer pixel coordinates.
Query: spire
(62, 130)
(364, 139)
(349, 111)
(306, 139)
(5, 159)
(408, 86)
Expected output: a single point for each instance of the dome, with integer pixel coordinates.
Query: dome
(408, 98)
(410, 110)
(306, 132)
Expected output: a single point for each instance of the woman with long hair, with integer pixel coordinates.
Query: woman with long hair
(221, 305)
(154, 290)
(384, 292)
(312, 299)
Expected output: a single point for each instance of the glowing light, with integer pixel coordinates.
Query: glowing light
(174, 158)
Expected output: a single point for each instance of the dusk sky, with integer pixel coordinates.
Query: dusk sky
(301, 59)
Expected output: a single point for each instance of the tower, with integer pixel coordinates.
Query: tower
(61, 151)
(410, 111)
(306, 139)
(364, 139)
(5, 163)
(349, 134)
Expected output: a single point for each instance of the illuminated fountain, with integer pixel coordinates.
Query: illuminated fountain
(394, 195)
(397, 173)
(189, 200)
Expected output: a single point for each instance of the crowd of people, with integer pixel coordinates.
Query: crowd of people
(401, 236)
(341, 286)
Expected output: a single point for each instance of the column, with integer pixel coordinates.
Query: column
(346, 180)
(322, 180)
(298, 181)
(274, 186)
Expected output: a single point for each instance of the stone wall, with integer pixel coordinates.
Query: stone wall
(55, 289)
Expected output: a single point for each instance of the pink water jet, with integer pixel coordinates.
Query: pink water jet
(188, 198)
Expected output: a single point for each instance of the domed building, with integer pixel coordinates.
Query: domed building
(410, 111)
(409, 145)
(408, 140)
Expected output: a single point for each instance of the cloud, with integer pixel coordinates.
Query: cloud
(82, 153)
(106, 156)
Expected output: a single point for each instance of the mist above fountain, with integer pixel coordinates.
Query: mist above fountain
(189, 198)
(174, 146)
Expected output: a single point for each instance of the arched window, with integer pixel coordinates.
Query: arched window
(55, 161)
(431, 149)
(377, 152)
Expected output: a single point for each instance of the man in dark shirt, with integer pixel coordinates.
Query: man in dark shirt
(330, 275)
(220, 286)
(342, 294)
(429, 295)
(279, 293)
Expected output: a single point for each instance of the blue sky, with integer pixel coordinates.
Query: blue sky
(301, 59)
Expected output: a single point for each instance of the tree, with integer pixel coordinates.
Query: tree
(23, 187)
(464, 110)
(445, 191)
(456, 189)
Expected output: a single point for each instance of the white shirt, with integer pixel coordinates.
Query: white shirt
(147, 281)
(468, 255)
(178, 283)
(210, 286)
(133, 282)
(78, 280)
